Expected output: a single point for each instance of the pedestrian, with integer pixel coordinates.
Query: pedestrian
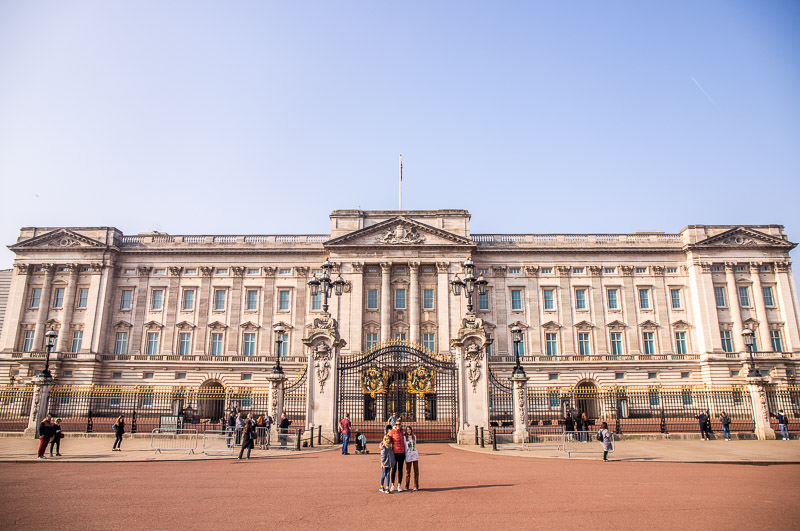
(607, 438)
(703, 420)
(569, 427)
(412, 457)
(725, 420)
(344, 429)
(399, 446)
(267, 428)
(283, 428)
(45, 434)
(119, 431)
(392, 419)
(585, 422)
(248, 435)
(783, 423)
(239, 427)
(579, 427)
(260, 431)
(56, 440)
(231, 427)
(387, 463)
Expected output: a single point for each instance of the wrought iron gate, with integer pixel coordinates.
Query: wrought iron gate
(419, 387)
(294, 399)
(501, 407)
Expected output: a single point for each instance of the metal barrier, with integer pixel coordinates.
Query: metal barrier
(218, 442)
(162, 440)
(545, 437)
(262, 437)
(583, 442)
(289, 440)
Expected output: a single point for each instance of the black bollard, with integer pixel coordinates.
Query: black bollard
(319, 437)
(311, 439)
(476, 436)
(482, 445)
(494, 439)
(297, 431)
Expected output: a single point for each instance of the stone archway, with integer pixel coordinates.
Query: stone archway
(211, 400)
(587, 398)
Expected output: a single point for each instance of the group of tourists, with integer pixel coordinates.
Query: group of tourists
(50, 433)
(704, 421)
(578, 422)
(246, 431)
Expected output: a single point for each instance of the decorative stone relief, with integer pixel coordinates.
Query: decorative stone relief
(175, 271)
(358, 267)
(706, 266)
(472, 360)
(563, 271)
(206, 271)
(783, 267)
(442, 267)
(144, 270)
(23, 269)
(658, 270)
(401, 235)
(627, 270)
(269, 271)
(595, 271)
(238, 271)
(322, 364)
(532, 271)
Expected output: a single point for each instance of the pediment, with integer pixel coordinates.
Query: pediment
(123, 325)
(184, 325)
(153, 325)
(648, 325)
(584, 325)
(680, 324)
(400, 231)
(216, 325)
(58, 239)
(744, 237)
(551, 325)
(250, 325)
(616, 324)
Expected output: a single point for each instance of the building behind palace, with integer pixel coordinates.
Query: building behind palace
(610, 309)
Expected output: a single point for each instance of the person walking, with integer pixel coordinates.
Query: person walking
(45, 434)
(725, 420)
(261, 434)
(344, 429)
(412, 457)
(119, 431)
(783, 423)
(267, 428)
(569, 427)
(231, 427)
(399, 446)
(579, 427)
(239, 427)
(56, 440)
(704, 421)
(606, 438)
(585, 423)
(387, 462)
(283, 429)
(248, 435)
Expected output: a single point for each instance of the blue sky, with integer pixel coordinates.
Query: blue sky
(263, 117)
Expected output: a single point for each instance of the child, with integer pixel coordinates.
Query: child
(387, 462)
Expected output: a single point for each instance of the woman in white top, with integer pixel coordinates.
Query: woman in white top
(412, 457)
(605, 437)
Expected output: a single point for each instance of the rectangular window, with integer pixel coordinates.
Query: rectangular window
(121, 344)
(555, 399)
(27, 344)
(580, 299)
(652, 375)
(221, 272)
(716, 268)
(547, 270)
(77, 339)
(157, 300)
(522, 347)
(400, 299)
(216, 344)
(686, 394)
(583, 344)
(577, 270)
(249, 344)
(372, 299)
(489, 346)
(610, 270)
(126, 300)
(247, 376)
(58, 298)
(253, 271)
(675, 295)
(644, 299)
(252, 299)
(483, 300)
(148, 375)
(672, 270)
(744, 297)
(619, 375)
(685, 375)
(768, 300)
(513, 271)
(734, 373)
(549, 299)
(83, 297)
(67, 373)
(117, 375)
(613, 299)
(775, 337)
(371, 340)
(36, 297)
(641, 270)
(727, 343)
(719, 296)
(180, 375)
(152, 342)
(740, 268)
(219, 299)
(283, 300)
(680, 343)
(191, 271)
(552, 376)
(316, 301)
(400, 337)
(284, 348)
(429, 342)
(616, 343)
(427, 299)
(649, 342)
(551, 344)
(185, 344)
(516, 299)
(188, 300)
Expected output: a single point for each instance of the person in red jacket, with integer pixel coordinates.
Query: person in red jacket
(399, 447)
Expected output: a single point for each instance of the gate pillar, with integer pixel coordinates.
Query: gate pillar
(758, 398)
(473, 380)
(41, 396)
(277, 382)
(324, 346)
(520, 401)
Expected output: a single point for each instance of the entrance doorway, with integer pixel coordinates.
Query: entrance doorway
(587, 399)
(211, 401)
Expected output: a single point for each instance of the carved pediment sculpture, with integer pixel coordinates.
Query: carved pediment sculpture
(399, 230)
(744, 237)
(59, 239)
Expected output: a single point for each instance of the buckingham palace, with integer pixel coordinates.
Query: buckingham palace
(403, 299)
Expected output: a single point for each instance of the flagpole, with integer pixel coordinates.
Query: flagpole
(400, 205)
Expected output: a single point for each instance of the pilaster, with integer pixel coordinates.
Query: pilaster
(386, 302)
(758, 398)
(520, 404)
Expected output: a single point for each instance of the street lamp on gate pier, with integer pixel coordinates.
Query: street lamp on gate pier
(279, 331)
(749, 341)
(50, 338)
(469, 283)
(516, 336)
(325, 285)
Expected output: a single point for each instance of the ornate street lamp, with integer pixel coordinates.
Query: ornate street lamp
(516, 336)
(50, 338)
(325, 285)
(279, 331)
(469, 283)
(749, 341)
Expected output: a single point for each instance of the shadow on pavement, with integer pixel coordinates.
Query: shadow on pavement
(463, 487)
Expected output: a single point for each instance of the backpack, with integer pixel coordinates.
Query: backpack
(600, 436)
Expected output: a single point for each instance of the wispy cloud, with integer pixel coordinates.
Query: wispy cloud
(714, 103)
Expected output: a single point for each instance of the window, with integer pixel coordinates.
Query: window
(616, 343)
(483, 271)
(740, 268)
(36, 297)
(126, 300)
(247, 376)
(400, 299)
(188, 299)
(77, 339)
(775, 338)
(27, 344)
(649, 343)
(117, 375)
(555, 399)
(252, 271)
(249, 344)
(427, 299)
(216, 344)
(613, 299)
(371, 340)
(152, 342)
(768, 300)
(680, 343)
(652, 375)
(552, 376)
(577, 270)
(483, 300)
(716, 268)
(764, 373)
(547, 270)
(58, 298)
(744, 297)
(610, 270)
(219, 299)
(489, 346)
(516, 299)
(583, 344)
(580, 299)
(429, 342)
(157, 300)
(719, 296)
(727, 343)
(641, 270)
(734, 373)
(513, 271)
(283, 351)
(522, 347)
(191, 271)
(252, 299)
(685, 375)
(185, 343)
(67, 373)
(549, 299)
(401, 336)
(283, 300)
(221, 272)
(400, 270)
(316, 301)
(644, 299)
(180, 375)
(285, 272)
(675, 295)
(764, 268)
(672, 270)
(372, 299)
(83, 297)
(121, 344)
(619, 375)
(686, 394)
(551, 344)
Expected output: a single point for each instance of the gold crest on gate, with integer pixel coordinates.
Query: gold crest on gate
(373, 381)
(421, 381)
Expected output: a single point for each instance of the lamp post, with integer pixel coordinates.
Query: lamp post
(469, 283)
(50, 342)
(749, 340)
(516, 336)
(279, 331)
(325, 285)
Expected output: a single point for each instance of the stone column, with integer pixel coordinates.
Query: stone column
(787, 300)
(139, 311)
(235, 311)
(268, 302)
(534, 312)
(44, 306)
(598, 311)
(324, 347)
(633, 338)
(171, 303)
(275, 397)
(733, 307)
(473, 378)
(15, 310)
(758, 398)
(98, 311)
(386, 302)
(520, 401)
(357, 307)
(203, 302)
(443, 306)
(41, 395)
(761, 309)
(704, 308)
(565, 298)
(413, 308)
(661, 301)
(69, 305)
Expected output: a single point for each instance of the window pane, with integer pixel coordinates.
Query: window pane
(185, 344)
(516, 299)
(676, 298)
(152, 342)
(219, 299)
(59, 298)
(428, 341)
(121, 345)
(580, 299)
(283, 300)
(83, 297)
(127, 297)
(719, 295)
(744, 297)
(372, 299)
(249, 344)
(316, 301)
(158, 299)
(216, 344)
(77, 338)
(36, 297)
(400, 299)
(188, 299)
(727, 344)
(680, 342)
(27, 345)
(252, 299)
(549, 303)
(644, 299)
(768, 301)
(483, 301)
(613, 303)
(777, 344)
(427, 299)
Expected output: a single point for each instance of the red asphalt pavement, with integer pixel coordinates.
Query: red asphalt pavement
(459, 490)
